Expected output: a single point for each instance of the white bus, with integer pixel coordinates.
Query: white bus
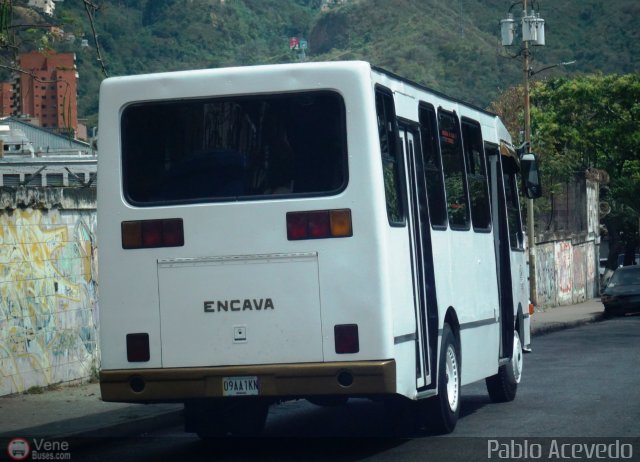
(314, 230)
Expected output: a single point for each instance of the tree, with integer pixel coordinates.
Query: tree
(593, 122)
(586, 123)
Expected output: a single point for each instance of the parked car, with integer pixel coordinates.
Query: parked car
(622, 292)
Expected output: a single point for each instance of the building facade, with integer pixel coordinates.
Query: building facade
(48, 90)
(6, 99)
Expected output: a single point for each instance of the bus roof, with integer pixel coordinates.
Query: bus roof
(431, 90)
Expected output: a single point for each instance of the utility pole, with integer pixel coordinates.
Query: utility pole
(532, 28)
(531, 238)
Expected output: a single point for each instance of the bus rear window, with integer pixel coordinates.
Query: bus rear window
(241, 148)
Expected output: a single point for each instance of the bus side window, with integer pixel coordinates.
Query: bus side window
(432, 166)
(514, 219)
(476, 175)
(387, 133)
(453, 167)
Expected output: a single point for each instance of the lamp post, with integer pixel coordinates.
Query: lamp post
(532, 33)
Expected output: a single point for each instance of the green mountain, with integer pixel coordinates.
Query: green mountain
(449, 45)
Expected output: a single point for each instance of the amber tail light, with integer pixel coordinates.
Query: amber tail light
(319, 224)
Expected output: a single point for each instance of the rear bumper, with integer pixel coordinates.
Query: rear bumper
(622, 303)
(276, 381)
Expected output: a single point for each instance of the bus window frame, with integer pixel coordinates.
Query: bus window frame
(424, 107)
(510, 168)
(475, 125)
(127, 176)
(461, 160)
(398, 158)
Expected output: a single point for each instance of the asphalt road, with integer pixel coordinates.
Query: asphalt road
(580, 393)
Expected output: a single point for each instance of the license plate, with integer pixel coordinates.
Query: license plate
(240, 386)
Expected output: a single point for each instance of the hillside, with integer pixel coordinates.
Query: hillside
(451, 46)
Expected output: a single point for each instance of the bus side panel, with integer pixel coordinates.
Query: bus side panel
(354, 273)
(477, 310)
(401, 303)
(116, 309)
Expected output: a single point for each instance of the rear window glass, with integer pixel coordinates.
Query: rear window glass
(242, 148)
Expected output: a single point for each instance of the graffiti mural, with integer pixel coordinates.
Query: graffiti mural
(546, 284)
(579, 273)
(48, 308)
(564, 260)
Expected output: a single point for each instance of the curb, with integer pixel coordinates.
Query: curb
(550, 327)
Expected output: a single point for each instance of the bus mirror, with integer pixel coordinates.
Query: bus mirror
(530, 176)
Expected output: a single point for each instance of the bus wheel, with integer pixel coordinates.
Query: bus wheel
(444, 408)
(503, 386)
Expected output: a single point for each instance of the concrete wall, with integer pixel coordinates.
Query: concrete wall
(48, 282)
(566, 273)
(567, 263)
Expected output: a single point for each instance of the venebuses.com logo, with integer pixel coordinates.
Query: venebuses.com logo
(38, 449)
(18, 449)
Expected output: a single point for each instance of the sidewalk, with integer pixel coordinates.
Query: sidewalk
(76, 410)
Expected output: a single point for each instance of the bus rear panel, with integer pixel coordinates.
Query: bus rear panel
(236, 237)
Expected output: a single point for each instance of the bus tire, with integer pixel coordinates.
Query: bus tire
(444, 408)
(503, 386)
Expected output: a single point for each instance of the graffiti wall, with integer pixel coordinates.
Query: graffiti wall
(547, 286)
(579, 293)
(567, 256)
(566, 273)
(564, 261)
(48, 307)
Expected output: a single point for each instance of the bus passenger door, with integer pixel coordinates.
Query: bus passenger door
(425, 301)
(502, 249)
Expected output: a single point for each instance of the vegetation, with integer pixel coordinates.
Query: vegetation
(593, 122)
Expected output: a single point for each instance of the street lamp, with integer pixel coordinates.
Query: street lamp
(532, 33)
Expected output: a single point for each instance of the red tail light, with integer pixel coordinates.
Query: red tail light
(148, 234)
(138, 348)
(151, 233)
(346, 338)
(319, 224)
